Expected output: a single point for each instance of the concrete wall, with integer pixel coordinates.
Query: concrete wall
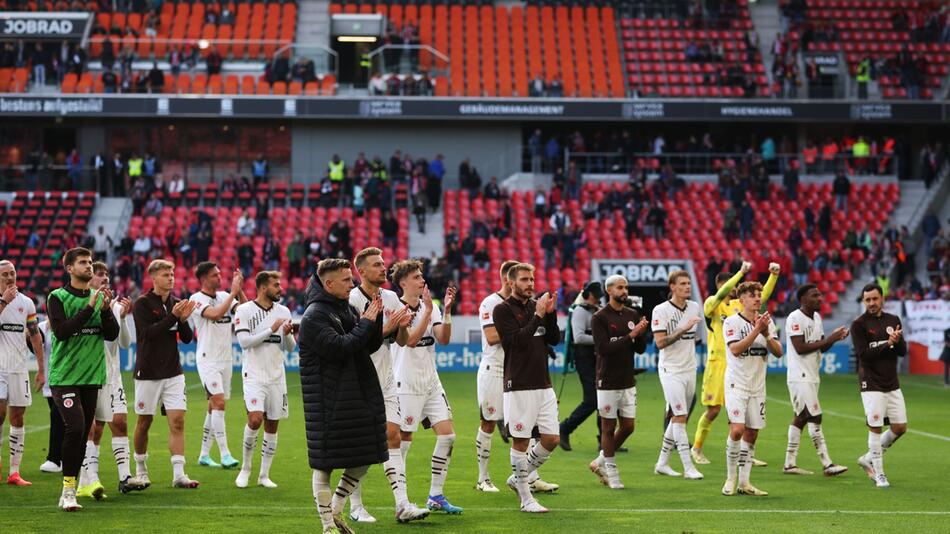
(494, 149)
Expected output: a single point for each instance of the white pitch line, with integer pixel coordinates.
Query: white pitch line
(923, 385)
(863, 420)
(513, 508)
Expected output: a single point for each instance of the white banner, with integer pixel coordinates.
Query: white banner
(925, 323)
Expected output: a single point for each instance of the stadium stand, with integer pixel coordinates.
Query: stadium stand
(896, 34)
(670, 57)
(499, 50)
(42, 226)
(693, 230)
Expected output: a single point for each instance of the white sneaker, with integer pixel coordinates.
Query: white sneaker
(795, 470)
(540, 486)
(50, 467)
(749, 489)
(665, 469)
(410, 512)
(184, 482)
(698, 457)
(533, 507)
(266, 482)
(360, 515)
(68, 501)
(759, 463)
(143, 480)
(866, 464)
(834, 470)
(881, 481)
(599, 470)
(510, 482)
(486, 486)
(729, 488)
(613, 480)
(692, 474)
(242, 478)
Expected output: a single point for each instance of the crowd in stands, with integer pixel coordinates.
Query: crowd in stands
(401, 84)
(937, 247)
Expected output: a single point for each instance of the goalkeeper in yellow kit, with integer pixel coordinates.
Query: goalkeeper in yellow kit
(715, 309)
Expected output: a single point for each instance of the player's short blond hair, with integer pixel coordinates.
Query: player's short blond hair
(515, 269)
(676, 275)
(365, 253)
(613, 279)
(748, 287)
(159, 265)
(506, 267)
(404, 268)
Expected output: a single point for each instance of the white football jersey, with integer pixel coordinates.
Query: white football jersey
(803, 367)
(746, 372)
(214, 337)
(14, 354)
(47, 350)
(680, 356)
(382, 358)
(263, 364)
(126, 327)
(493, 356)
(414, 367)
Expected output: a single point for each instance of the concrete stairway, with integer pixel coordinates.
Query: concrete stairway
(113, 214)
(766, 22)
(424, 245)
(313, 22)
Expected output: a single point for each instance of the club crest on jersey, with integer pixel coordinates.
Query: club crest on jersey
(214, 384)
(889, 330)
(68, 403)
(540, 331)
(519, 427)
(254, 401)
(141, 405)
(607, 408)
(876, 417)
(409, 419)
(630, 325)
(735, 412)
(491, 410)
(679, 406)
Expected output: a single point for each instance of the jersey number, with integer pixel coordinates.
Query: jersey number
(762, 409)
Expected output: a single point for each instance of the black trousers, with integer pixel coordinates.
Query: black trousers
(77, 406)
(586, 365)
(54, 451)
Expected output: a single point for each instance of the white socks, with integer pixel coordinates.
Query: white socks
(249, 444)
(89, 473)
(887, 439)
(682, 444)
(120, 449)
(268, 450)
(876, 452)
(519, 466)
(746, 453)
(395, 469)
(794, 439)
(17, 435)
(818, 439)
(483, 449)
(206, 436)
(668, 443)
(537, 455)
(732, 458)
(322, 496)
(178, 466)
(217, 426)
(349, 481)
(404, 448)
(140, 467)
(441, 456)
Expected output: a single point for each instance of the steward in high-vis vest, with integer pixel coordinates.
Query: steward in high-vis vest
(336, 169)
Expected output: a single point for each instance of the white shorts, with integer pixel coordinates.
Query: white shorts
(110, 402)
(414, 408)
(748, 410)
(534, 407)
(170, 392)
(678, 390)
(390, 399)
(804, 395)
(879, 405)
(268, 398)
(491, 395)
(215, 377)
(614, 402)
(15, 389)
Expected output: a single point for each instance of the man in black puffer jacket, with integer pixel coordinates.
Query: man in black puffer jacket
(343, 404)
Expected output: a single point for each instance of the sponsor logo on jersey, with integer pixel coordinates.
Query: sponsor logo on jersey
(427, 341)
(273, 338)
(224, 320)
(90, 331)
(10, 327)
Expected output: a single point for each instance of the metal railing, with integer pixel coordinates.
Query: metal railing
(408, 59)
(702, 163)
(325, 59)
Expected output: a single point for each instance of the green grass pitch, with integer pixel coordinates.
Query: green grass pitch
(918, 467)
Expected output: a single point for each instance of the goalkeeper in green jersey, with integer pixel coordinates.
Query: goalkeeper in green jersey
(80, 321)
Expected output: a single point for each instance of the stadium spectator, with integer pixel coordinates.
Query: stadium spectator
(262, 215)
(156, 79)
(260, 170)
(246, 254)
(213, 62)
(390, 230)
(296, 256)
(492, 190)
(841, 188)
(270, 253)
(436, 172)
(824, 222)
(245, 227)
(338, 240)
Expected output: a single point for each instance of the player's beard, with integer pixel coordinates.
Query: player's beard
(84, 277)
(619, 299)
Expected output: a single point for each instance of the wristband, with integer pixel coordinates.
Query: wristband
(5, 303)
(447, 318)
